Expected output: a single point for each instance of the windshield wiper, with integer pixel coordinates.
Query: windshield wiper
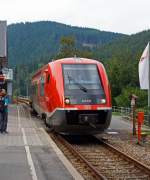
(81, 87)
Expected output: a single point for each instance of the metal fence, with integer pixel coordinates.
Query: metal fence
(147, 120)
(24, 99)
(125, 113)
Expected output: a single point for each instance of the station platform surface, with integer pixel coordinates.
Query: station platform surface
(28, 153)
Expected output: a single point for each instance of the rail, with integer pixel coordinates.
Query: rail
(93, 172)
(91, 153)
(126, 157)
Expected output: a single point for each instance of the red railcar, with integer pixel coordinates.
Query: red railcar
(73, 96)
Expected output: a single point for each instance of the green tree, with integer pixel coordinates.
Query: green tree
(67, 47)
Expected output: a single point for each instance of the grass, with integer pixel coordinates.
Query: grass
(145, 132)
(116, 113)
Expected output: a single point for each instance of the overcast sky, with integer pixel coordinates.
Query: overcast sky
(124, 16)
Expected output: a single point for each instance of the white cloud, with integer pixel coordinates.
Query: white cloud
(128, 16)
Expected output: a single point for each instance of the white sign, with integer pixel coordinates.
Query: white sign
(8, 73)
(132, 102)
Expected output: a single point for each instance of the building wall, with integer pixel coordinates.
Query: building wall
(3, 39)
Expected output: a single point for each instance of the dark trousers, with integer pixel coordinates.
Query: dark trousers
(3, 121)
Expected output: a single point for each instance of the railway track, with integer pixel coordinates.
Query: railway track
(96, 159)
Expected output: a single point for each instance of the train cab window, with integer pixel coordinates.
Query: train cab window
(34, 89)
(77, 76)
(83, 84)
(42, 82)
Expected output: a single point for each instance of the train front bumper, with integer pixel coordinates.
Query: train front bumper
(80, 121)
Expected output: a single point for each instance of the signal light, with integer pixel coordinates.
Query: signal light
(103, 101)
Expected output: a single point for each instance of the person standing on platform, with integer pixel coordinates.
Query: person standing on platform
(3, 111)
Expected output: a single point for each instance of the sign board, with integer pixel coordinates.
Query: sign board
(132, 102)
(8, 74)
(3, 39)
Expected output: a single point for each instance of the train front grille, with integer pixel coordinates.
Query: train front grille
(85, 117)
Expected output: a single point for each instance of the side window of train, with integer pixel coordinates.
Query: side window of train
(34, 89)
(48, 78)
(42, 82)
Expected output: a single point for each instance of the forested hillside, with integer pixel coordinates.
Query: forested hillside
(121, 60)
(29, 42)
(33, 45)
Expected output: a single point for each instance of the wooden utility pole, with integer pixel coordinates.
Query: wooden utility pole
(133, 99)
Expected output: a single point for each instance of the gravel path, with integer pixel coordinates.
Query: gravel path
(127, 143)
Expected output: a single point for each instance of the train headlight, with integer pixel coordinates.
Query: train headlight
(67, 101)
(103, 101)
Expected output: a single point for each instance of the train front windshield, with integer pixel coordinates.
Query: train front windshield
(83, 80)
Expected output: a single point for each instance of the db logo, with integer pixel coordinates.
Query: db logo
(86, 100)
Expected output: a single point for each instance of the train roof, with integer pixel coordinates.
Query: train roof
(75, 60)
(70, 60)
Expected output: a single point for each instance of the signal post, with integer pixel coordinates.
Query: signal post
(133, 99)
(140, 122)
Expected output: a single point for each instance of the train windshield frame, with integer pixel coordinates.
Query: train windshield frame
(84, 77)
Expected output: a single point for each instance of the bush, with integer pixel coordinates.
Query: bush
(123, 98)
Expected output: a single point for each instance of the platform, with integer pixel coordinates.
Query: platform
(28, 153)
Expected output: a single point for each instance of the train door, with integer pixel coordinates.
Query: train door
(48, 95)
(42, 92)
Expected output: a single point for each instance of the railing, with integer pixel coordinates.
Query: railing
(147, 120)
(125, 113)
(23, 99)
